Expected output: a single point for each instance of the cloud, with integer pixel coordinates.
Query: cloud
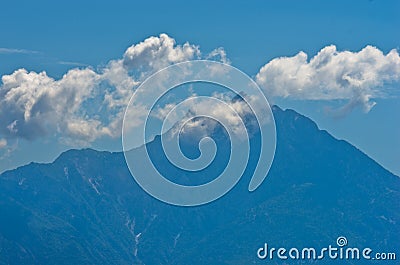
(356, 76)
(71, 63)
(224, 108)
(88, 103)
(218, 54)
(85, 104)
(156, 53)
(33, 105)
(20, 51)
(3, 143)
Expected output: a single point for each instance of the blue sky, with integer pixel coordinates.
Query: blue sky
(45, 36)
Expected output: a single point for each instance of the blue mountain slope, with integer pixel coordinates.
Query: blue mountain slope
(85, 208)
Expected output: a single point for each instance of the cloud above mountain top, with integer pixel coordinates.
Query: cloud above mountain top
(356, 76)
(156, 53)
(34, 104)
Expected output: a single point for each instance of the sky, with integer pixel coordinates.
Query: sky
(67, 70)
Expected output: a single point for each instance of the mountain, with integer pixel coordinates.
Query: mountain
(85, 208)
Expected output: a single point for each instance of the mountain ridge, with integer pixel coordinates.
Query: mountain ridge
(274, 108)
(86, 208)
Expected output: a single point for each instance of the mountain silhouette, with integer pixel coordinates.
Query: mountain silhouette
(85, 208)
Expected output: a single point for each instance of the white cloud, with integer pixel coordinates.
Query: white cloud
(218, 54)
(12, 50)
(33, 104)
(225, 110)
(85, 104)
(331, 74)
(3, 143)
(72, 63)
(156, 53)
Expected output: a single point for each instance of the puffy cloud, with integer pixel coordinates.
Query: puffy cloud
(356, 76)
(227, 109)
(34, 105)
(218, 54)
(85, 104)
(3, 143)
(156, 53)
